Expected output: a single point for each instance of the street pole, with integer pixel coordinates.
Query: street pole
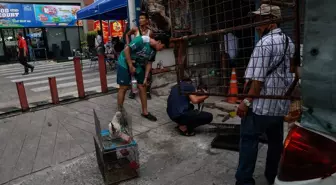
(131, 13)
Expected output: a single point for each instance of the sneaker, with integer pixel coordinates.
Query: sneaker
(25, 73)
(32, 69)
(149, 116)
(132, 95)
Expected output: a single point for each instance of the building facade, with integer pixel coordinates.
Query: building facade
(51, 28)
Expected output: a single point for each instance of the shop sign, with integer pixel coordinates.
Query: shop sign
(117, 28)
(105, 29)
(56, 15)
(37, 15)
(16, 15)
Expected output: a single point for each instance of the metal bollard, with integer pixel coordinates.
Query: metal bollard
(53, 90)
(102, 72)
(79, 77)
(22, 96)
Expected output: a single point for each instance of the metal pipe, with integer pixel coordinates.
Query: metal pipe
(102, 73)
(131, 13)
(22, 96)
(244, 96)
(79, 77)
(278, 3)
(228, 30)
(53, 90)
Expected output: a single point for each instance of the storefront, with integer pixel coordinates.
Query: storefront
(52, 28)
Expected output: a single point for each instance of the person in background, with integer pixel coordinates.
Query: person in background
(143, 30)
(109, 42)
(110, 53)
(30, 48)
(182, 112)
(117, 45)
(135, 61)
(22, 54)
(231, 47)
(268, 73)
(99, 43)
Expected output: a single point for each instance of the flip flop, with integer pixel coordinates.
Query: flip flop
(184, 133)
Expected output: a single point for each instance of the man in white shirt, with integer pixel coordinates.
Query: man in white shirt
(231, 45)
(269, 74)
(99, 43)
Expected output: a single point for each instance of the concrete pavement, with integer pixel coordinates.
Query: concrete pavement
(55, 147)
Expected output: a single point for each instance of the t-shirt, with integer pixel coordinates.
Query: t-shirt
(141, 52)
(98, 41)
(178, 103)
(22, 44)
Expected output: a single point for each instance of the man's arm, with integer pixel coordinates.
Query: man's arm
(133, 46)
(255, 89)
(197, 99)
(127, 52)
(148, 69)
(129, 33)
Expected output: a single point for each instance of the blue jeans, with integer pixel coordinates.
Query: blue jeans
(252, 126)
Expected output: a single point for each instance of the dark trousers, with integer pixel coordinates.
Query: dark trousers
(252, 126)
(23, 61)
(193, 119)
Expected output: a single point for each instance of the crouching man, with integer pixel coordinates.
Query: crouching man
(181, 111)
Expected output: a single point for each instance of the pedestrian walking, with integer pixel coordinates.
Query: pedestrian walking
(22, 54)
(268, 73)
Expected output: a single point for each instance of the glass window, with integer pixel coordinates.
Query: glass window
(74, 38)
(36, 36)
(2, 52)
(55, 36)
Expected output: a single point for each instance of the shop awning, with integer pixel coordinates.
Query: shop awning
(104, 10)
(89, 12)
(113, 9)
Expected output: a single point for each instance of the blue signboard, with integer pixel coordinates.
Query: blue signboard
(37, 15)
(16, 15)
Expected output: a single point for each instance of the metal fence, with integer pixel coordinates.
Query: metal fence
(217, 43)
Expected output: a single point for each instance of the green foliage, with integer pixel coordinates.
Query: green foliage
(90, 38)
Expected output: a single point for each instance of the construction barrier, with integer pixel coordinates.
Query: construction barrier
(233, 89)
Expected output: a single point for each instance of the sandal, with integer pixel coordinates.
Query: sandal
(149, 116)
(184, 133)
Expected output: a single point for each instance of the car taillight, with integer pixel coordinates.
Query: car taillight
(307, 155)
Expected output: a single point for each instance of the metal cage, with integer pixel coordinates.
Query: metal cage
(214, 38)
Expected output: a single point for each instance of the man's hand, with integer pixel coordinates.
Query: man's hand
(242, 110)
(132, 68)
(145, 82)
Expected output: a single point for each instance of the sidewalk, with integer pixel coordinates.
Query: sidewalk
(55, 147)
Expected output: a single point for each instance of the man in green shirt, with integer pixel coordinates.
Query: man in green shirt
(136, 60)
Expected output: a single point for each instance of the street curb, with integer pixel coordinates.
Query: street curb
(49, 105)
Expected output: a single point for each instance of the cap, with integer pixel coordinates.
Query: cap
(267, 9)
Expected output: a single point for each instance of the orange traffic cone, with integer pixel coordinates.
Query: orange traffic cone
(233, 90)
